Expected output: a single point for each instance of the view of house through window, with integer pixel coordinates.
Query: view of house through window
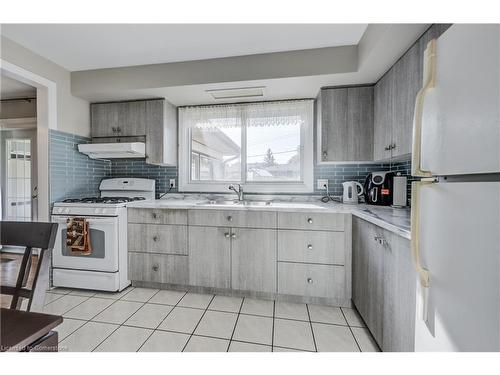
(247, 143)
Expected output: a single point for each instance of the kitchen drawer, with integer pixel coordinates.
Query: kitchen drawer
(158, 268)
(311, 221)
(153, 238)
(311, 246)
(157, 216)
(311, 280)
(233, 218)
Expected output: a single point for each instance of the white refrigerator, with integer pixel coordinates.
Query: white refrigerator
(456, 205)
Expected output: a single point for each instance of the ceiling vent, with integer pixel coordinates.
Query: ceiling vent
(237, 93)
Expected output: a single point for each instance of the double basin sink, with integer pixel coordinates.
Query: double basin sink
(235, 203)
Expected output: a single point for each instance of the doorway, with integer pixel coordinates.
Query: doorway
(45, 92)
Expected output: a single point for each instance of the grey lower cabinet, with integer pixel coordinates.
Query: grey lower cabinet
(210, 257)
(301, 256)
(345, 116)
(253, 259)
(384, 285)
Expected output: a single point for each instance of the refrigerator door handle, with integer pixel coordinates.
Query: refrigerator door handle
(422, 272)
(428, 83)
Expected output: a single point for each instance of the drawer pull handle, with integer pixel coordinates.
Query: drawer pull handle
(155, 216)
(226, 235)
(233, 235)
(155, 238)
(229, 218)
(310, 221)
(309, 280)
(309, 247)
(156, 267)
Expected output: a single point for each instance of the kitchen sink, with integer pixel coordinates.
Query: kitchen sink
(235, 203)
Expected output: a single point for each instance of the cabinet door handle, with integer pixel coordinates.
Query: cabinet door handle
(156, 267)
(118, 130)
(310, 221)
(155, 238)
(393, 146)
(113, 129)
(155, 216)
(309, 280)
(325, 155)
(388, 148)
(226, 235)
(309, 247)
(233, 235)
(229, 218)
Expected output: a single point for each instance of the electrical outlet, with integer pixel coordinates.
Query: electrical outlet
(172, 183)
(321, 184)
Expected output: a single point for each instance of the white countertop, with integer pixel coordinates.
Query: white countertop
(395, 220)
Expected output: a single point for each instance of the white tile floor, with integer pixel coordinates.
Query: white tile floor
(149, 320)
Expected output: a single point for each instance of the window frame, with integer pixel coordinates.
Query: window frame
(305, 185)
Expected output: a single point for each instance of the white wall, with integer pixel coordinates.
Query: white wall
(73, 114)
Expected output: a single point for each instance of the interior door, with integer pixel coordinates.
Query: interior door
(460, 247)
(19, 175)
(461, 114)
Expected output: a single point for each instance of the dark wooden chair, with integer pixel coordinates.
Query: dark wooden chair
(31, 235)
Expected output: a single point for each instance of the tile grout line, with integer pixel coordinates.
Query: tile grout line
(159, 324)
(236, 323)
(197, 324)
(350, 330)
(312, 330)
(121, 324)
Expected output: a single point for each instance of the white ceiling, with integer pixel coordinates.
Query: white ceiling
(95, 46)
(11, 89)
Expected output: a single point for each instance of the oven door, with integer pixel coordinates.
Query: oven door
(104, 241)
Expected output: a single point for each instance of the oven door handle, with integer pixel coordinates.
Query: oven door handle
(91, 220)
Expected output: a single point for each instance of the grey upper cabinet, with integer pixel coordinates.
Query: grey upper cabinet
(131, 119)
(120, 119)
(346, 124)
(384, 285)
(382, 137)
(104, 119)
(161, 132)
(395, 95)
(407, 83)
(151, 121)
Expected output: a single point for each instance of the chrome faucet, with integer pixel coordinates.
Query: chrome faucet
(238, 191)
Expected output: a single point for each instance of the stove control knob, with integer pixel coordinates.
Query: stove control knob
(66, 210)
(97, 210)
(103, 211)
(59, 210)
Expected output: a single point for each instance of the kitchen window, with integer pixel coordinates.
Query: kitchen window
(266, 146)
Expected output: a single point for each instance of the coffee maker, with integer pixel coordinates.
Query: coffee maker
(386, 189)
(379, 188)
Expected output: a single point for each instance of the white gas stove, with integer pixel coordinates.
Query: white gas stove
(106, 267)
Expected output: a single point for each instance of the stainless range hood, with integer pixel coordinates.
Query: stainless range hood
(117, 150)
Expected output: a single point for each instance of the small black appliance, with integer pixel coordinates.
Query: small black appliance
(379, 188)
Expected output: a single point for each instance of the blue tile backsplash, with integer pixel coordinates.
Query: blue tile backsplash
(73, 174)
